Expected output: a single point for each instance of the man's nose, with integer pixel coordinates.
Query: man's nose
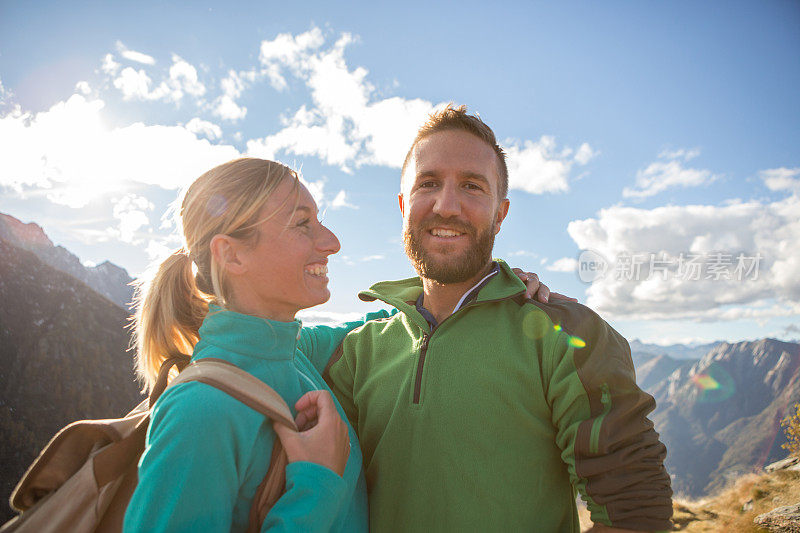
(447, 202)
(327, 242)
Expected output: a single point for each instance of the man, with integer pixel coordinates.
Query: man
(478, 409)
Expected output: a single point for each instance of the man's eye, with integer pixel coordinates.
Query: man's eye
(427, 184)
(304, 223)
(473, 186)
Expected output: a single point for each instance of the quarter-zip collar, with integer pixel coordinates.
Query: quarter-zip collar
(249, 335)
(468, 297)
(403, 294)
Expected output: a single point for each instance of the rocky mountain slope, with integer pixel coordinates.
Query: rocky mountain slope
(720, 416)
(63, 357)
(106, 278)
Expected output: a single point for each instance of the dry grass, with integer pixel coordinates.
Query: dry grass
(725, 511)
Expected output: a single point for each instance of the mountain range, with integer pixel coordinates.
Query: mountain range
(108, 279)
(64, 356)
(720, 416)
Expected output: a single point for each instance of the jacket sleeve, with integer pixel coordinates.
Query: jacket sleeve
(196, 459)
(340, 377)
(319, 342)
(610, 447)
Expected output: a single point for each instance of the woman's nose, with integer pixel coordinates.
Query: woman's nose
(327, 241)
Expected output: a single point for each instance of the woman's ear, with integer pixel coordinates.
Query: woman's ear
(226, 251)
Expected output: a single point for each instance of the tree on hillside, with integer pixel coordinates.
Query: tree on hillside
(791, 426)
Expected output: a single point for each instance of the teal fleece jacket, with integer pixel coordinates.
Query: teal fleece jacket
(493, 420)
(206, 453)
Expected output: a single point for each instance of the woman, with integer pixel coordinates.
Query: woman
(260, 255)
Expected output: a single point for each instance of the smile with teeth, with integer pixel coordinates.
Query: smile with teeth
(444, 232)
(317, 269)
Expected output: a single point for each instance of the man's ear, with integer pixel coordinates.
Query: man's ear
(402, 204)
(226, 251)
(502, 211)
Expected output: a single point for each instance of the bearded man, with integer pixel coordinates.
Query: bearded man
(477, 408)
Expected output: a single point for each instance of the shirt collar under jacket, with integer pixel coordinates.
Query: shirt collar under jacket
(249, 335)
(402, 294)
(468, 296)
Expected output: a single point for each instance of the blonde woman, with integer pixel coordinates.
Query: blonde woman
(260, 253)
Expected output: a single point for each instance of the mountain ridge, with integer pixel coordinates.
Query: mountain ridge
(720, 416)
(108, 279)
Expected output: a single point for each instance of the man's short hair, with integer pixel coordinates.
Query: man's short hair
(456, 118)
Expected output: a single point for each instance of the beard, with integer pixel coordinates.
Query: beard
(456, 267)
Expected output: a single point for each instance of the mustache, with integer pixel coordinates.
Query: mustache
(453, 223)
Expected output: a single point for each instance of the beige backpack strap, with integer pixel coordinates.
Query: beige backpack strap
(259, 396)
(242, 385)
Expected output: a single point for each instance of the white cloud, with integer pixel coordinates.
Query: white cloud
(781, 179)
(136, 84)
(6, 96)
(539, 166)
(83, 88)
(110, 66)
(204, 127)
(376, 257)
(233, 85)
(132, 55)
(585, 154)
(131, 212)
(346, 125)
(522, 253)
(669, 171)
(157, 251)
(565, 264)
(68, 154)
(184, 77)
(312, 317)
(699, 232)
(341, 201)
(133, 84)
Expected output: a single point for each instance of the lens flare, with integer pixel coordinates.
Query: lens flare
(576, 342)
(533, 326)
(705, 382)
(557, 327)
(714, 385)
(216, 205)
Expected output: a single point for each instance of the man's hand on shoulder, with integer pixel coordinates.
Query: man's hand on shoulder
(538, 290)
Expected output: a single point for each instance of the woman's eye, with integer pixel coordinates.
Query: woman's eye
(304, 223)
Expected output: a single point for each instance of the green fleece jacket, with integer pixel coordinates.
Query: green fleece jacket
(206, 452)
(492, 421)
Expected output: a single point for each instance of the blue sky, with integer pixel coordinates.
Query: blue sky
(636, 129)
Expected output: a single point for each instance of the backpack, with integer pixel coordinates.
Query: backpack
(85, 476)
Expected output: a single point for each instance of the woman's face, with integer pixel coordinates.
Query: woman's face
(285, 268)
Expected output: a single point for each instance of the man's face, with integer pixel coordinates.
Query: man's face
(451, 206)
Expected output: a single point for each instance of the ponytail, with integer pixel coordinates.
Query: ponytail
(170, 310)
(171, 306)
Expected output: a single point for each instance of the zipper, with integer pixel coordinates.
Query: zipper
(423, 349)
(605, 399)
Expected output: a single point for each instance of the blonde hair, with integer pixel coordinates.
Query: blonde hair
(171, 306)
